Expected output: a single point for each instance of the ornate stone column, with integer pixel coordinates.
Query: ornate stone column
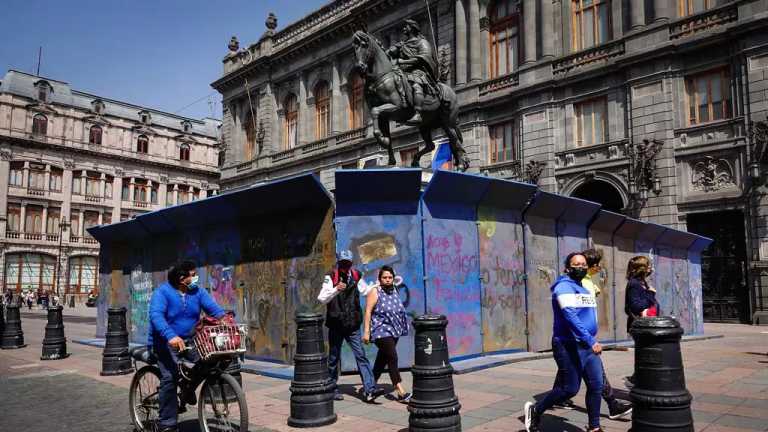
(81, 225)
(23, 217)
(461, 43)
(529, 31)
(637, 14)
(661, 10)
(547, 23)
(475, 49)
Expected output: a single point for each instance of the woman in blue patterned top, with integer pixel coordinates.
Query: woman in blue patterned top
(385, 322)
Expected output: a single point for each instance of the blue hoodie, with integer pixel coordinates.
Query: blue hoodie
(171, 314)
(575, 312)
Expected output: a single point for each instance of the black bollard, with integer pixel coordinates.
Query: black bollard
(13, 336)
(117, 359)
(71, 300)
(311, 388)
(54, 342)
(434, 406)
(660, 400)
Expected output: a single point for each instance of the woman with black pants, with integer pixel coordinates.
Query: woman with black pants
(385, 322)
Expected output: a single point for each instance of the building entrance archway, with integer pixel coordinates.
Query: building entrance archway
(600, 192)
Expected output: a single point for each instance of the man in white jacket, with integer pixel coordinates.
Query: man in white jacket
(343, 319)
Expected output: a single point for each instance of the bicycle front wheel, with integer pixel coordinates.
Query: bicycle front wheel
(144, 400)
(222, 405)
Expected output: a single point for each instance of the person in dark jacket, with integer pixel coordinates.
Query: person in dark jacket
(343, 319)
(640, 297)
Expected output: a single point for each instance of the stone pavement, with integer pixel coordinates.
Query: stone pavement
(728, 378)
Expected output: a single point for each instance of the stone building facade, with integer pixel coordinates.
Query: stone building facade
(650, 107)
(71, 160)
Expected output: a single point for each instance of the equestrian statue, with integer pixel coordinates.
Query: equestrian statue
(405, 84)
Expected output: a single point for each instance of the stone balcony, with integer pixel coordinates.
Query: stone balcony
(598, 55)
(704, 21)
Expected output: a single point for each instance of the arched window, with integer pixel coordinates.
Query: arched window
(184, 152)
(94, 137)
(39, 125)
(29, 271)
(83, 274)
(504, 38)
(356, 101)
(322, 110)
(291, 122)
(142, 144)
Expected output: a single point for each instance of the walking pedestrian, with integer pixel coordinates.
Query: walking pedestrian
(343, 319)
(30, 300)
(385, 323)
(574, 346)
(640, 296)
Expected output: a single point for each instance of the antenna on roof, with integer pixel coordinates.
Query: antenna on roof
(39, 57)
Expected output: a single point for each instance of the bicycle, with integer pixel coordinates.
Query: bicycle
(221, 405)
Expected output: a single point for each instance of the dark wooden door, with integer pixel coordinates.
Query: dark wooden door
(723, 265)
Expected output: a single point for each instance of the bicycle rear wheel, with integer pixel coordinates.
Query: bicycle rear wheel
(143, 399)
(222, 405)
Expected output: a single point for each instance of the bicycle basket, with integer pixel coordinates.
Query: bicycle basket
(220, 340)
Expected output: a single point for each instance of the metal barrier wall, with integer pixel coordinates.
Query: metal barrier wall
(381, 225)
(480, 250)
(601, 234)
(262, 252)
(502, 265)
(451, 262)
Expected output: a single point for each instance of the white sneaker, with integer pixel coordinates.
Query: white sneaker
(531, 418)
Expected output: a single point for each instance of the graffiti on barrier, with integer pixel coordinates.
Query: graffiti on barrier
(141, 294)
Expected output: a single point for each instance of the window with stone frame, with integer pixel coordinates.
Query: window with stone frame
(37, 177)
(74, 223)
(251, 134)
(503, 143)
(52, 224)
(125, 191)
(407, 155)
(290, 122)
(92, 182)
(709, 96)
(39, 125)
(184, 152)
(169, 195)
(14, 217)
(591, 122)
(94, 135)
(16, 174)
(689, 7)
(504, 38)
(29, 271)
(83, 274)
(108, 187)
(141, 191)
(356, 102)
(591, 23)
(322, 95)
(33, 219)
(55, 181)
(142, 144)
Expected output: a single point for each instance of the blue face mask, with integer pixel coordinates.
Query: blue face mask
(194, 281)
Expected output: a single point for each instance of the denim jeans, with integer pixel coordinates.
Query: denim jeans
(575, 362)
(354, 338)
(167, 361)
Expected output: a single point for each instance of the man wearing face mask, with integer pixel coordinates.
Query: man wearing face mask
(173, 312)
(574, 346)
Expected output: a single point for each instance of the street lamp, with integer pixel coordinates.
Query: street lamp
(63, 225)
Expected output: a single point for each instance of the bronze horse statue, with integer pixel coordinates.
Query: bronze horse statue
(386, 103)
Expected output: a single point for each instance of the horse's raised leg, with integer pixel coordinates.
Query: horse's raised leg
(456, 140)
(380, 117)
(429, 145)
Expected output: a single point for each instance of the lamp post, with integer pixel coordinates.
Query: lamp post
(63, 225)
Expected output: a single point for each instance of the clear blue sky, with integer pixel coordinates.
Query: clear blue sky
(161, 54)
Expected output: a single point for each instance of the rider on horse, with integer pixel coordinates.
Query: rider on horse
(415, 56)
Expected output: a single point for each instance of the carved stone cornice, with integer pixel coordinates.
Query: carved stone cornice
(6, 154)
(704, 21)
(589, 56)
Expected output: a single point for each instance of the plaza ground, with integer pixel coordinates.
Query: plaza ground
(727, 376)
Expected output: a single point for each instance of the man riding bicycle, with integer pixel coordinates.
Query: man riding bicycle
(173, 313)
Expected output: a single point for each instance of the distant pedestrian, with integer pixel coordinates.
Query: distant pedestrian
(343, 319)
(574, 346)
(640, 296)
(385, 323)
(30, 299)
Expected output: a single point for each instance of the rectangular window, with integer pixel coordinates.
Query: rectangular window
(76, 185)
(503, 146)
(14, 217)
(92, 186)
(504, 39)
(74, 223)
(689, 7)
(591, 23)
(52, 224)
(33, 222)
(124, 192)
(16, 174)
(36, 179)
(55, 180)
(108, 189)
(591, 122)
(709, 97)
(169, 196)
(406, 156)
